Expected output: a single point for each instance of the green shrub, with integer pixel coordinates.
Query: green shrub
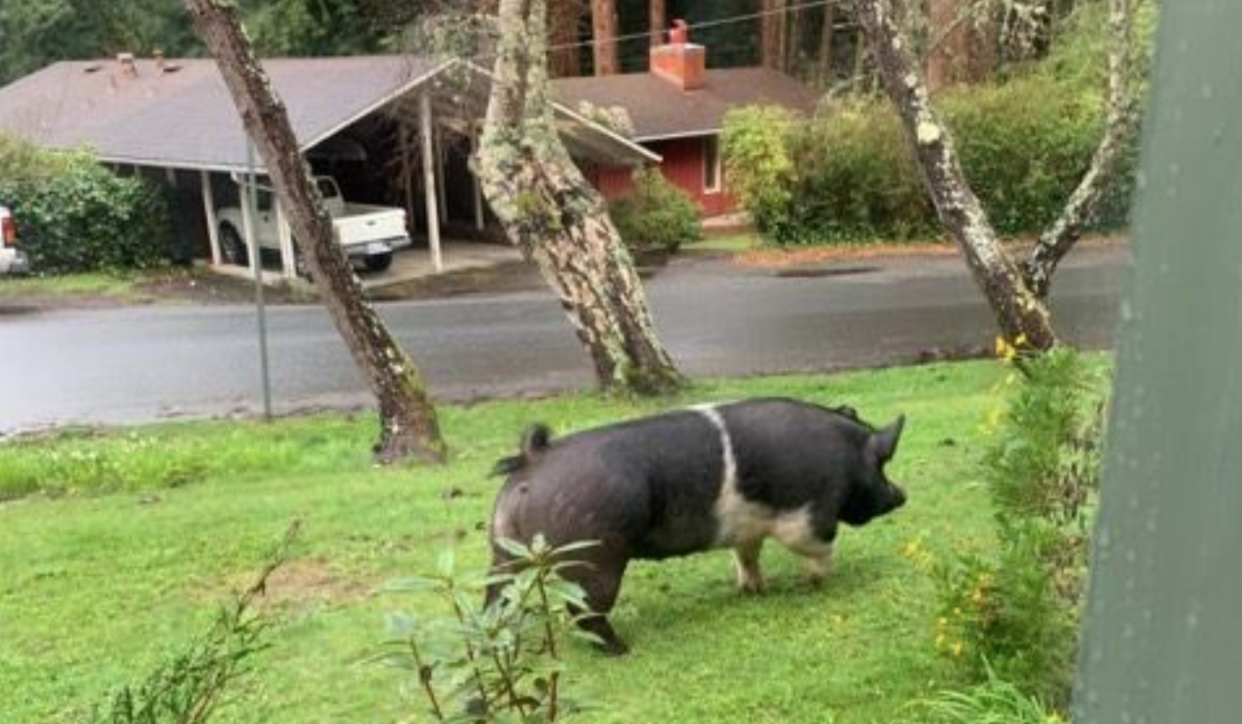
(757, 146)
(857, 179)
(655, 214)
(500, 662)
(1016, 610)
(1024, 143)
(77, 216)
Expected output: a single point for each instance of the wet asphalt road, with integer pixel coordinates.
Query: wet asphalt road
(148, 363)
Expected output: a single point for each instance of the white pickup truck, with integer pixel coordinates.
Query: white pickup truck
(12, 260)
(368, 234)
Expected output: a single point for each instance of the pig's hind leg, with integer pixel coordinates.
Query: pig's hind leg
(746, 561)
(601, 583)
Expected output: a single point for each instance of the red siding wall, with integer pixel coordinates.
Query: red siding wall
(683, 167)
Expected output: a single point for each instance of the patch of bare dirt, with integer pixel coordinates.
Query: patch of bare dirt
(296, 583)
(199, 286)
(785, 258)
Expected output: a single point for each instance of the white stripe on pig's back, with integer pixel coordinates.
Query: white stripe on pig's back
(741, 521)
(738, 519)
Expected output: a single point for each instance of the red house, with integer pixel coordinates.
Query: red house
(677, 109)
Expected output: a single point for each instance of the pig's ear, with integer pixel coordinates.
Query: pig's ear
(883, 444)
(535, 440)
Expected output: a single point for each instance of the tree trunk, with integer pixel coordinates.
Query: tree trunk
(407, 417)
(825, 47)
(564, 17)
(557, 219)
(604, 35)
(1018, 310)
(1081, 209)
(793, 38)
(770, 33)
(658, 14)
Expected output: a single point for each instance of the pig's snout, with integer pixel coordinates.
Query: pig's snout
(898, 497)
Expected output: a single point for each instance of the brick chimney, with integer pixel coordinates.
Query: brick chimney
(679, 61)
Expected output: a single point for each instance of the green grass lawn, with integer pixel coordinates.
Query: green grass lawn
(93, 284)
(730, 243)
(138, 534)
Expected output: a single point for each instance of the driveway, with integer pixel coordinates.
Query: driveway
(149, 363)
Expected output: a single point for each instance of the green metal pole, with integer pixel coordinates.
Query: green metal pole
(1162, 637)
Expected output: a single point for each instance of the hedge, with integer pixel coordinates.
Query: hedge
(75, 215)
(1024, 143)
(655, 214)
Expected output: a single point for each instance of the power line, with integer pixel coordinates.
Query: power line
(696, 26)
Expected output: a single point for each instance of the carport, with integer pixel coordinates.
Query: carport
(407, 124)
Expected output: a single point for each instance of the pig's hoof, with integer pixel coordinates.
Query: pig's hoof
(816, 580)
(752, 586)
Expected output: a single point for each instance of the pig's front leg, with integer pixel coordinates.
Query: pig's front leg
(819, 566)
(746, 560)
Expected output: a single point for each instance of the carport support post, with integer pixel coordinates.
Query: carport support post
(441, 195)
(288, 262)
(429, 180)
(474, 178)
(209, 208)
(248, 228)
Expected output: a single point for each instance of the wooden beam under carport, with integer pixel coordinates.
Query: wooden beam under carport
(429, 180)
(209, 208)
(288, 257)
(475, 184)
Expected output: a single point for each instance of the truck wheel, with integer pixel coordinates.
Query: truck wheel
(379, 262)
(232, 248)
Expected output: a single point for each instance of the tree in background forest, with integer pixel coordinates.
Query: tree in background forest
(36, 33)
(604, 26)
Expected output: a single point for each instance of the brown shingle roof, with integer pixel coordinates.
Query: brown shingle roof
(659, 109)
(186, 119)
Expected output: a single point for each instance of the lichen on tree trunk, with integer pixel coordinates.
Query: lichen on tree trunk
(558, 220)
(1019, 312)
(408, 422)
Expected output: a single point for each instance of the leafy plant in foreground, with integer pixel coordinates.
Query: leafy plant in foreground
(189, 688)
(995, 701)
(1012, 615)
(494, 662)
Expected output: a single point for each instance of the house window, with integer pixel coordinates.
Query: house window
(711, 165)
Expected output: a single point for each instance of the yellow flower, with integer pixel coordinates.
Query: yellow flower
(957, 649)
(977, 596)
(942, 622)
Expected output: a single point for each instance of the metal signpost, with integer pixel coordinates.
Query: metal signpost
(256, 263)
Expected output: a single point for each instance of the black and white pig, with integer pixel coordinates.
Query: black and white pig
(713, 476)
